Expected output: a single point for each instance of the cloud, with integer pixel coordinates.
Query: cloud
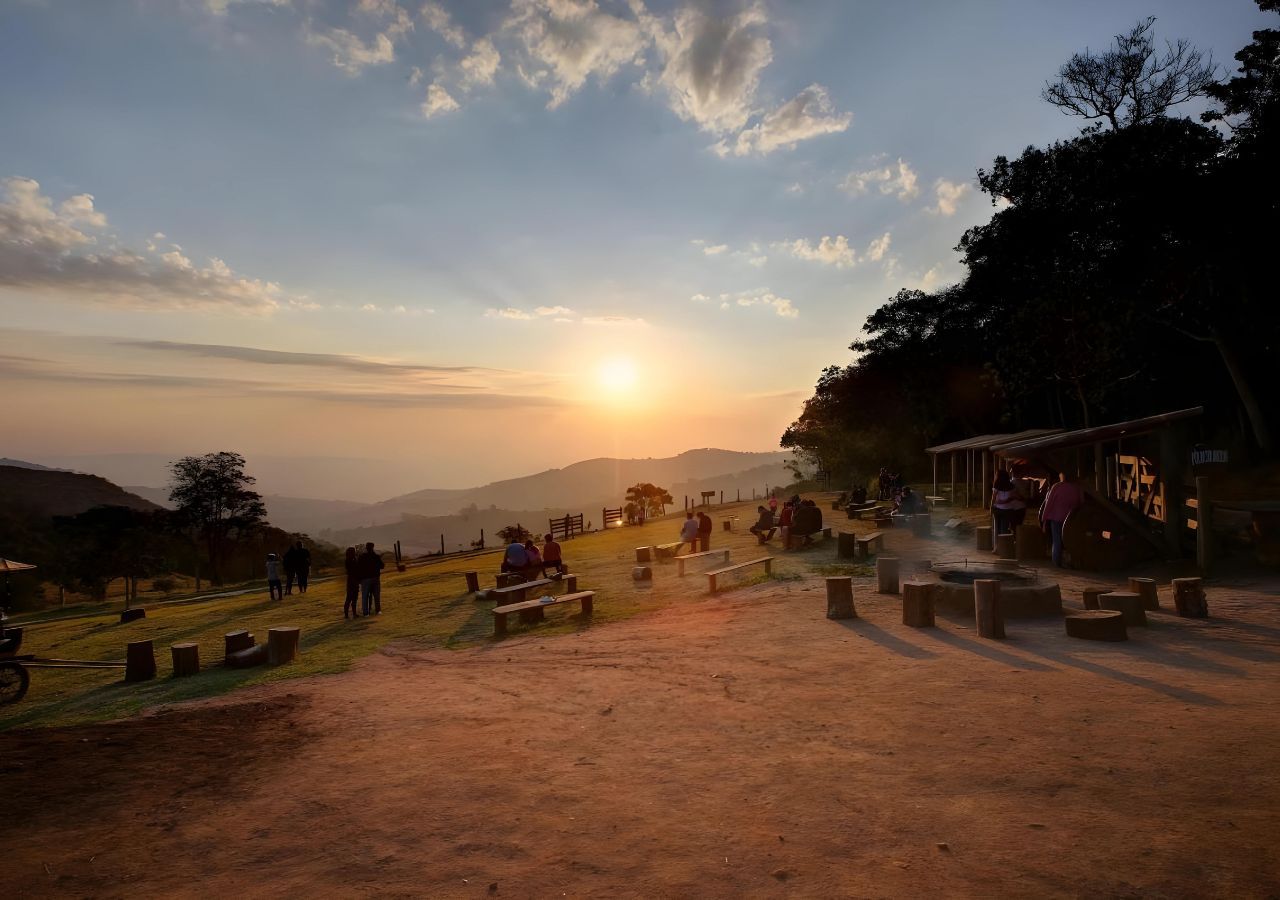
(807, 115)
(781, 306)
(509, 312)
(260, 356)
(438, 20)
(897, 179)
(878, 248)
(395, 19)
(553, 311)
(830, 251)
(949, 194)
(416, 75)
(562, 43)
(47, 249)
(616, 321)
(757, 261)
(351, 54)
(438, 102)
(699, 298)
(220, 7)
(480, 66)
(714, 249)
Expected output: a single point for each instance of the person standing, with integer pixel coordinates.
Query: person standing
(274, 590)
(1063, 499)
(705, 526)
(689, 533)
(370, 566)
(302, 565)
(1005, 503)
(290, 569)
(352, 567)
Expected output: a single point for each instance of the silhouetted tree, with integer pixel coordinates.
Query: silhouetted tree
(212, 494)
(516, 533)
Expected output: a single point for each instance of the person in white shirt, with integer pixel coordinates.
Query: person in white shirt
(274, 587)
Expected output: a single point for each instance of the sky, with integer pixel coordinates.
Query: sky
(433, 244)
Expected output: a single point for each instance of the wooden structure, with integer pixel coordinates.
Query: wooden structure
(282, 644)
(869, 543)
(186, 659)
(1006, 546)
(1146, 589)
(986, 608)
(473, 581)
(255, 655)
(1127, 603)
(707, 497)
(840, 598)
(970, 482)
(235, 641)
(567, 526)
(610, 517)
(846, 545)
(1096, 625)
(713, 576)
(1091, 596)
(1189, 599)
(917, 604)
(704, 555)
(139, 661)
(534, 610)
(887, 574)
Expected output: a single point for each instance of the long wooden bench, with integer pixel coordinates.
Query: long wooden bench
(680, 560)
(797, 540)
(532, 610)
(866, 541)
(668, 551)
(713, 575)
(517, 593)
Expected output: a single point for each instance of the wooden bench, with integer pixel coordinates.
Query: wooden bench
(668, 551)
(713, 575)
(680, 560)
(937, 501)
(796, 540)
(532, 610)
(516, 593)
(866, 541)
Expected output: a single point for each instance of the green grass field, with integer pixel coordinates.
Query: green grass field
(427, 605)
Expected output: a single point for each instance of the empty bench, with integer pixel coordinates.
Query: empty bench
(680, 560)
(517, 593)
(532, 610)
(713, 575)
(870, 543)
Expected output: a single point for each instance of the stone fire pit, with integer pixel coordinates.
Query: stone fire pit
(1024, 593)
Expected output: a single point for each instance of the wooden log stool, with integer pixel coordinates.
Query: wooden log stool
(132, 615)
(1128, 603)
(507, 579)
(883, 522)
(840, 598)
(1189, 599)
(1006, 546)
(642, 573)
(1029, 542)
(473, 581)
(139, 661)
(235, 641)
(887, 574)
(644, 554)
(249, 657)
(1096, 625)
(1146, 589)
(282, 644)
(982, 535)
(917, 604)
(186, 659)
(986, 608)
(1091, 597)
(846, 545)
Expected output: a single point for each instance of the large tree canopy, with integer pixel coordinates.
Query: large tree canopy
(213, 497)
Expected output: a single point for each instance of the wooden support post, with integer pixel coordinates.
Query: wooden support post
(846, 545)
(186, 659)
(1189, 599)
(935, 474)
(1204, 526)
(840, 598)
(235, 641)
(953, 497)
(1111, 478)
(982, 534)
(1173, 479)
(968, 475)
(1128, 603)
(887, 574)
(917, 604)
(571, 584)
(1146, 589)
(1091, 596)
(473, 581)
(986, 608)
(1096, 625)
(1006, 546)
(139, 661)
(984, 493)
(282, 644)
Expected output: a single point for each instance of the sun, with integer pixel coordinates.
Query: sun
(617, 375)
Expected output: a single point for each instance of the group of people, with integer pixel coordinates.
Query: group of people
(890, 483)
(1011, 496)
(696, 531)
(364, 579)
(295, 566)
(527, 560)
(798, 518)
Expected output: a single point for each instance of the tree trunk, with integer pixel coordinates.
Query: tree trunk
(986, 608)
(917, 604)
(140, 661)
(282, 644)
(840, 598)
(186, 659)
(1258, 421)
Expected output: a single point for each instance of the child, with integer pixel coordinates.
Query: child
(274, 587)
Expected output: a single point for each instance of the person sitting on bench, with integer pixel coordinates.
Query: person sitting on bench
(785, 520)
(533, 568)
(551, 556)
(689, 533)
(909, 502)
(764, 528)
(807, 521)
(516, 558)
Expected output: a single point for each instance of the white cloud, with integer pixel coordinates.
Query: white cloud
(370, 307)
(480, 66)
(781, 306)
(795, 188)
(830, 251)
(714, 249)
(509, 313)
(949, 194)
(438, 102)
(622, 321)
(553, 311)
(878, 248)
(50, 250)
(438, 20)
(562, 43)
(699, 298)
(396, 20)
(808, 114)
(757, 261)
(350, 53)
(897, 179)
(415, 77)
(220, 7)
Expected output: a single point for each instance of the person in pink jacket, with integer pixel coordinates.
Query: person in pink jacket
(1063, 498)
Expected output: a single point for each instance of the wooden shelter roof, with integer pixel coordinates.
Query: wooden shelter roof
(987, 441)
(1083, 437)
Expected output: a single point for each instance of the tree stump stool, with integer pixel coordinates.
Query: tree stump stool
(726, 525)
(249, 657)
(917, 604)
(1189, 599)
(887, 574)
(840, 598)
(132, 615)
(1029, 542)
(1096, 625)
(645, 554)
(473, 581)
(1146, 589)
(139, 661)
(1128, 603)
(235, 641)
(507, 579)
(986, 608)
(1091, 597)
(883, 522)
(1006, 546)
(642, 573)
(186, 659)
(846, 545)
(982, 535)
(282, 644)
(922, 525)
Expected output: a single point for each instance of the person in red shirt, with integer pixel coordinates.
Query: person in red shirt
(1063, 499)
(784, 524)
(551, 556)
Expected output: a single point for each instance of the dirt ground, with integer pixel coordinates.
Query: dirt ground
(741, 745)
